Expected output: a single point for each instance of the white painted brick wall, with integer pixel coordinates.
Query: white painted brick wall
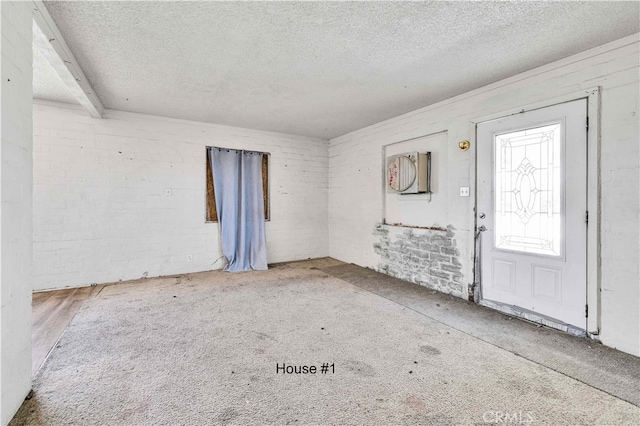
(356, 170)
(15, 206)
(100, 213)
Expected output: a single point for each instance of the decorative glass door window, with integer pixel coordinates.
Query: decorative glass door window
(528, 190)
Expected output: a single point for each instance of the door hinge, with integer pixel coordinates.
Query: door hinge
(587, 124)
(586, 311)
(586, 216)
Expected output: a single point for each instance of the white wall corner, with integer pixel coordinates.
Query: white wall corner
(16, 239)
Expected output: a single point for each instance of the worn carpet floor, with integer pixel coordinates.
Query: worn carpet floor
(203, 349)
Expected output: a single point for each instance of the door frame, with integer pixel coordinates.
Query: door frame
(593, 97)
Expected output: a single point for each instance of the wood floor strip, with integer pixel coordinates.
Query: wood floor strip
(52, 311)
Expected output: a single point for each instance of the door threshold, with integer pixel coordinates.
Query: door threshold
(533, 317)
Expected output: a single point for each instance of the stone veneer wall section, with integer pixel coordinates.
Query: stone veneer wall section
(427, 257)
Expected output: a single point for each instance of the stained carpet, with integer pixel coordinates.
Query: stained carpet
(204, 349)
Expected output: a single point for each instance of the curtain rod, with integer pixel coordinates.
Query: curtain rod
(235, 149)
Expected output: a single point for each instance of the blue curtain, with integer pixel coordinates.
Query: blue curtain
(237, 182)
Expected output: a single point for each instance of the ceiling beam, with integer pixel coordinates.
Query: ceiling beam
(48, 40)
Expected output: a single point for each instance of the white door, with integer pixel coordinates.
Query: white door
(532, 201)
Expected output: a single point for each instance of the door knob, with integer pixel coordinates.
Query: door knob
(482, 228)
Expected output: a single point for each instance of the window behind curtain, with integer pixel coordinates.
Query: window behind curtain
(211, 213)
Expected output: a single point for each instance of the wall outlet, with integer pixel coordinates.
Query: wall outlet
(464, 191)
(167, 191)
(189, 258)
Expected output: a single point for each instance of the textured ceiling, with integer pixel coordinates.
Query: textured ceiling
(318, 68)
(47, 84)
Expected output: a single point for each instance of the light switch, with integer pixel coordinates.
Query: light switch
(464, 191)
